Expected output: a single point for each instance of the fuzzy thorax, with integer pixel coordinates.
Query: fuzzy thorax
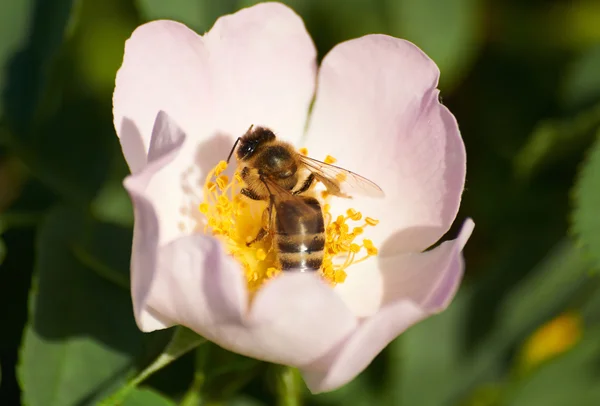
(236, 220)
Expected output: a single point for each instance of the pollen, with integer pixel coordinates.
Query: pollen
(237, 220)
(330, 160)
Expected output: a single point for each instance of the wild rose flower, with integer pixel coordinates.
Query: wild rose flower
(180, 102)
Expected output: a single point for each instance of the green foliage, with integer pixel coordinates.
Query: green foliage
(146, 397)
(586, 218)
(455, 40)
(30, 42)
(553, 140)
(196, 14)
(576, 371)
(81, 339)
(2, 251)
(582, 82)
(441, 372)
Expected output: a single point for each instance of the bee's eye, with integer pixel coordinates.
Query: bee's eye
(246, 150)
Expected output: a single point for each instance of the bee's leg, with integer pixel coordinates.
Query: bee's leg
(264, 231)
(261, 235)
(306, 185)
(250, 194)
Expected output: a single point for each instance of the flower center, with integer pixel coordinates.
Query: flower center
(236, 220)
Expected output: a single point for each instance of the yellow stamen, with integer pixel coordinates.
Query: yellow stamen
(303, 151)
(551, 339)
(371, 221)
(261, 254)
(237, 220)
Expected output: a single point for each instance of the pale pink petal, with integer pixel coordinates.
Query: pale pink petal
(165, 67)
(371, 284)
(146, 236)
(256, 66)
(377, 112)
(157, 271)
(198, 286)
(294, 320)
(412, 286)
(355, 354)
(263, 65)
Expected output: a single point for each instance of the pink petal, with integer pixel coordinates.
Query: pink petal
(370, 338)
(295, 319)
(165, 67)
(163, 275)
(263, 65)
(256, 66)
(198, 285)
(377, 112)
(412, 287)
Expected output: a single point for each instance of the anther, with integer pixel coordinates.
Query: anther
(303, 151)
(358, 231)
(261, 254)
(330, 160)
(221, 166)
(371, 221)
(354, 215)
(222, 182)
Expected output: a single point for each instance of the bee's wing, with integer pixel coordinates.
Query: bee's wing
(339, 181)
(295, 206)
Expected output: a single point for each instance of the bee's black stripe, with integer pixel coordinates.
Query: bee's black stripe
(301, 262)
(301, 243)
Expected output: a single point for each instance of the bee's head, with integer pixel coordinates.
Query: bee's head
(252, 140)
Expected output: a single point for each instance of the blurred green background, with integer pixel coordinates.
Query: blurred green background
(522, 78)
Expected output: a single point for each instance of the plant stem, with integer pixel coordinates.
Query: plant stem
(183, 341)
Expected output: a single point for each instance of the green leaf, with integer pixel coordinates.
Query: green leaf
(146, 397)
(2, 250)
(81, 337)
(586, 211)
(196, 14)
(581, 84)
(358, 392)
(112, 204)
(448, 31)
(224, 373)
(28, 42)
(431, 366)
(15, 21)
(183, 341)
(570, 379)
(556, 139)
(427, 356)
(106, 249)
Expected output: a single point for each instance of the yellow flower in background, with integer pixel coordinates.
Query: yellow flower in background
(551, 339)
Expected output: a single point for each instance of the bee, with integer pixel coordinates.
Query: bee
(273, 171)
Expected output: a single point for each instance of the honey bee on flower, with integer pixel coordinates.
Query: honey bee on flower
(295, 233)
(180, 102)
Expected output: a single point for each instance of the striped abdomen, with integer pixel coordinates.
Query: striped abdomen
(300, 235)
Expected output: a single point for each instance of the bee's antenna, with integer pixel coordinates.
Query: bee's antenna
(233, 148)
(236, 142)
